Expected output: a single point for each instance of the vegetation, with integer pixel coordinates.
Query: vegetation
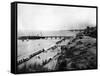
(80, 53)
(89, 31)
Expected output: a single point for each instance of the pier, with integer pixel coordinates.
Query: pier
(42, 37)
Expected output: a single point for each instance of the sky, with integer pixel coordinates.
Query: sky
(50, 18)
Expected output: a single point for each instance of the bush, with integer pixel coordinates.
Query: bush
(91, 31)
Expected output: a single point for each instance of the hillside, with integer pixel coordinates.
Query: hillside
(80, 52)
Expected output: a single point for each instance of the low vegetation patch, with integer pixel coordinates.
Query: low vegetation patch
(80, 53)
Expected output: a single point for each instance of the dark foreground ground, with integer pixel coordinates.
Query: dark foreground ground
(80, 52)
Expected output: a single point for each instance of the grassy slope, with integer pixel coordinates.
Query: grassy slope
(80, 53)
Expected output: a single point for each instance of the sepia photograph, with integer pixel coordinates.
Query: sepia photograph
(56, 38)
